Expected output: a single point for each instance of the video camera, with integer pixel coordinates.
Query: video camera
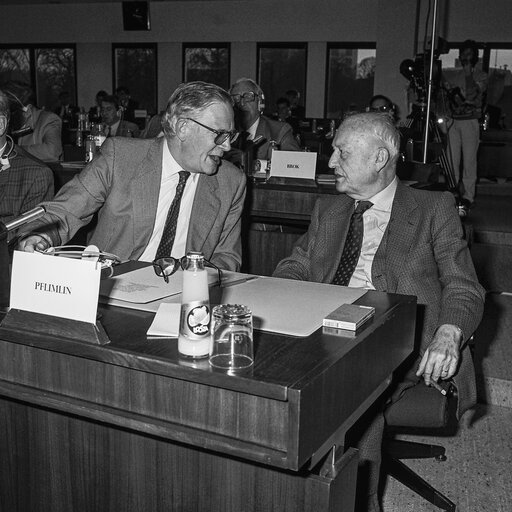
(417, 70)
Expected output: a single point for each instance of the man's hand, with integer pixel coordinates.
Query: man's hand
(34, 243)
(441, 358)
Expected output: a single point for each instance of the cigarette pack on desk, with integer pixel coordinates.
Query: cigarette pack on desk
(349, 316)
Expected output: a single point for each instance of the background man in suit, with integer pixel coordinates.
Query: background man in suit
(412, 243)
(24, 181)
(112, 116)
(128, 104)
(132, 183)
(249, 104)
(39, 130)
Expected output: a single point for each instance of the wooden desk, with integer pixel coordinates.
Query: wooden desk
(130, 426)
(276, 215)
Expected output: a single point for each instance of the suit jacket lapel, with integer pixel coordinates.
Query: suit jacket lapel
(145, 190)
(396, 242)
(335, 231)
(204, 212)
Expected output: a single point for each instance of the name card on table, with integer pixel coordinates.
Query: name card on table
(55, 285)
(293, 164)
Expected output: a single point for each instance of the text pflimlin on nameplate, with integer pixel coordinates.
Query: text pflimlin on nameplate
(55, 285)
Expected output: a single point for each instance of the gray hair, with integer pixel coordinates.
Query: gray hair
(380, 125)
(191, 98)
(257, 89)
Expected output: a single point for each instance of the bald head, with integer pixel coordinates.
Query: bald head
(379, 126)
(365, 152)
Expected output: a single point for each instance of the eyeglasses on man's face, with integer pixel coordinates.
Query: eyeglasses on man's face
(246, 96)
(382, 108)
(166, 267)
(221, 135)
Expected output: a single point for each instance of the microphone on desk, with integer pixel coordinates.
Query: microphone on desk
(25, 218)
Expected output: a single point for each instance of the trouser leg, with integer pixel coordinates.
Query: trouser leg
(470, 137)
(454, 148)
(370, 457)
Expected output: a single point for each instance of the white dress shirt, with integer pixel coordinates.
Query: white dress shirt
(375, 222)
(252, 129)
(170, 178)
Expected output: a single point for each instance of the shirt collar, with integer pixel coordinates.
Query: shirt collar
(170, 167)
(383, 200)
(252, 129)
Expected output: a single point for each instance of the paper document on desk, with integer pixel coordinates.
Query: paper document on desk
(287, 306)
(166, 322)
(143, 286)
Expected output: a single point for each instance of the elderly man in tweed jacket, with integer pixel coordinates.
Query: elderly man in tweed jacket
(24, 180)
(412, 244)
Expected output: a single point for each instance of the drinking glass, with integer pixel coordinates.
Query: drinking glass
(232, 341)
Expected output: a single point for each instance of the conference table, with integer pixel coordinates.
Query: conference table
(132, 426)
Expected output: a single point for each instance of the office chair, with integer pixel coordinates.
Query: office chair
(425, 410)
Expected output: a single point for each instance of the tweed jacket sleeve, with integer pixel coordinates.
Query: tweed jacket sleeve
(23, 186)
(423, 253)
(316, 254)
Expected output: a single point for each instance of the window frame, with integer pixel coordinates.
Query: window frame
(291, 45)
(185, 46)
(136, 46)
(340, 45)
(32, 47)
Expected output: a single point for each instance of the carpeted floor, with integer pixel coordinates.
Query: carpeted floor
(477, 473)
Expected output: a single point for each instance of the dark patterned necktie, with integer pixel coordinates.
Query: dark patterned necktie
(169, 232)
(352, 248)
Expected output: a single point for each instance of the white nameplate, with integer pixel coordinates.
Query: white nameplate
(293, 164)
(55, 285)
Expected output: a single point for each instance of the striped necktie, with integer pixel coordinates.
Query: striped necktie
(353, 243)
(169, 232)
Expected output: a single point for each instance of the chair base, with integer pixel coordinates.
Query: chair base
(413, 481)
(410, 450)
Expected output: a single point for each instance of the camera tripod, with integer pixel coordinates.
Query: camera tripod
(416, 122)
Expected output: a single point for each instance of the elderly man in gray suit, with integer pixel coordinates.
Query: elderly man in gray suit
(132, 183)
(254, 126)
(411, 242)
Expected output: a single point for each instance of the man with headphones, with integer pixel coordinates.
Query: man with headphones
(24, 181)
(249, 103)
(466, 87)
(160, 197)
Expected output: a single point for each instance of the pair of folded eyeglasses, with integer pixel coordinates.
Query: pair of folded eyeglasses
(165, 267)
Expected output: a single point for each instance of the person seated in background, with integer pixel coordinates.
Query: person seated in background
(284, 114)
(381, 103)
(127, 104)
(380, 234)
(297, 111)
(68, 113)
(249, 103)
(158, 197)
(153, 127)
(37, 131)
(24, 181)
(95, 111)
(65, 109)
(111, 115)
